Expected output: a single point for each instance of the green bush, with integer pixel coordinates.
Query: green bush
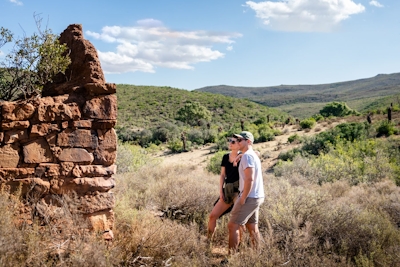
(386, 128)
(131, 157)
(336, 109)
(293, 138)
(214, 165)
(307, 123)
(196, 136)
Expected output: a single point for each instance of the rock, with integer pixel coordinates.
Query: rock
(51, 170)
(9, 156)
(43, 129)
(92, 203)
(107, 139)
(104, 157)
(104, 124)
(100, 89)
(76, 155)
(77, 138)
(66, 168)
(85, 185)
(17, 111)
(93, 170)
(16, 125)
(9, 174)
(101, 108)
(36, 185)
(58, 111)
(85, 124)
(14, 136)
(108, 235)
(85, 65)
(37, 151)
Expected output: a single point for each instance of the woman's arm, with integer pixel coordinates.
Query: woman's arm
(221, 183)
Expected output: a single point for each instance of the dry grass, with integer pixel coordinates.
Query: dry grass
(162, 213)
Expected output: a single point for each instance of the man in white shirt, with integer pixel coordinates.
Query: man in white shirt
(251, 196)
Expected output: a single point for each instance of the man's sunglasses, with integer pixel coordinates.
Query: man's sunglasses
(236, 141)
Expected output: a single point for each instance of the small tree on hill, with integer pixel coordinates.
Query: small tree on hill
(190, 113)
(336, 109)
(32, 62)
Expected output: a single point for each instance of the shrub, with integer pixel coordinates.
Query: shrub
(214, 165)
(385, 128)
(32, 62)
(165, 131)
(294, 138)
(336, 109)
(175, 146)
(308, 123)
(131, 157)
(196, 136)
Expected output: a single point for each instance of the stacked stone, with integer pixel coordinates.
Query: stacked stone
(65, 142)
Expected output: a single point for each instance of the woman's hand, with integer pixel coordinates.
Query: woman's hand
(237, 159)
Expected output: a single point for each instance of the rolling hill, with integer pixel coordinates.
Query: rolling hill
(143, 107)
(305, 100)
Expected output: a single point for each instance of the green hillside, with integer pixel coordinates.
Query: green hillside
(305, 100)
(142, 106)
(149, 114)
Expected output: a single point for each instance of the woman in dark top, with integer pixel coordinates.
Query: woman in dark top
(228, 186)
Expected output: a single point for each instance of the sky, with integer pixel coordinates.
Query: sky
(189, 44)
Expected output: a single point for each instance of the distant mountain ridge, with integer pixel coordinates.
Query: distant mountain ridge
(381, 85)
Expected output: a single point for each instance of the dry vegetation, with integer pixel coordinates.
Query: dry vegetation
(162, 212)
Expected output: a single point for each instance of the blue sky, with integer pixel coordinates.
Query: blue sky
(191, 44)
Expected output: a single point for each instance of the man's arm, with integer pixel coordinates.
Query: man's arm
(248, 183)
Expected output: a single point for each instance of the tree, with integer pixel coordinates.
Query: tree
(31, 63)
(192, 112)
(337, 109)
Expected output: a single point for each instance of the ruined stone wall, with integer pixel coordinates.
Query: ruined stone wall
(65, 141)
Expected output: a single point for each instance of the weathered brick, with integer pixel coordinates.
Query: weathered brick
(77, 138)
(93, 170)
(17, 111)
(102, 108)
(76, 155)
(37, 151)
(15, 125)
(9, 174)
(9, 156)
(13, 136)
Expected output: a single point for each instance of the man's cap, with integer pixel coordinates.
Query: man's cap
(245, 135)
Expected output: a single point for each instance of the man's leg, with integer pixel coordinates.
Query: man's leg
(254, 234)
(233, 236)
(252, 225)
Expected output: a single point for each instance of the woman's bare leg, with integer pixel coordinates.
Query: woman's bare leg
(217, 211)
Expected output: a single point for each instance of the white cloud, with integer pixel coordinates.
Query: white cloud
(19, 3)
(375, 3)
(305, 15)
(150, 44)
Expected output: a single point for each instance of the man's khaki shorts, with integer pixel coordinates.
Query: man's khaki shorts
(247, 213)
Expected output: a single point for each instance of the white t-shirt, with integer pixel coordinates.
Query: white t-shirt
(251, 160)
